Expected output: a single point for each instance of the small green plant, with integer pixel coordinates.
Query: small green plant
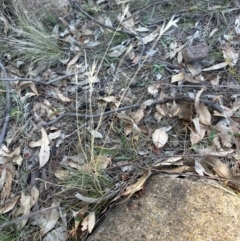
(7, 233)
(158, 68)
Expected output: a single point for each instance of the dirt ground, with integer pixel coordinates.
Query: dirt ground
(115, 90)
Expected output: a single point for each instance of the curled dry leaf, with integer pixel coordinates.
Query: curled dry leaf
(159, 138)
(88, 222)
(202, 111)
(49, 220)
(137, 116)
(130, 190)
(218, 167)
(95, 133)
(22, 85)
(3, 173)
(102, 162)
(196, 137)
(212, 151)
(170, 161)
(237, 25)
(230, 55)
(44, 153)
(117, 50)
(199, 168)
(215, 67)
(129, 23)
(224, 132)
(154, 89)
(8, 206)
(178, 170)
(61, 96)
(108, 99)
(24, 209)
(150, 37)
(177, 77)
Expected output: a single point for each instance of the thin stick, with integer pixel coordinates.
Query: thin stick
(6, 120)
(39, 81)
(28, 216)
(107, 113)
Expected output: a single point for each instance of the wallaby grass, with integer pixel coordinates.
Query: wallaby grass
(29, 41)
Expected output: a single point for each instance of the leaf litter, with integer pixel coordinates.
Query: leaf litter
(180, 115)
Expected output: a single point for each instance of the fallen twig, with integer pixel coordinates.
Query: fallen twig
(107, 113)
(28, 216)
(6, 120)
(39, 81)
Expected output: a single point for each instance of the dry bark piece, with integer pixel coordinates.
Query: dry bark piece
(195, 53)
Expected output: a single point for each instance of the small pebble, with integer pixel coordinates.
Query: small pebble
(195, 53)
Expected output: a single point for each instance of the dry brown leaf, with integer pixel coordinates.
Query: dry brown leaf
(8, 206)
(175, 48)
(137, 116)
(237, 25)
(212, 151)
(108, 99)
(128, 129)
(160, 110)
(154, 89)
(150, 37)
(24, 209)
(178, 77)
(130, 190)
(61, 96)
(216, 67)
(102, 162)
(202, 111)
(61, 174)
(147, 103)
(88, 222)
(199, 168)
(95, 133)
(117, 51)
(44, 153)
(213, 78)
(172, 109)
(159, 138)
(72, 62)
(118, 2)
(230, 55)
(195, 137)
(219, 167)
(227, 112)
(54, 135)
(25, 97)
(34, 196)
(178, 170)
(22, 85)
(129, 23)
(170, 161)
(224, 132)
(49, 220)
(3, 173)
(157, 116)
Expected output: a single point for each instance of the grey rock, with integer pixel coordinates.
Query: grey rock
(195, 53)
(174, 209)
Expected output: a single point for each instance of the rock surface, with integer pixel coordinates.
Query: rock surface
(195, 53)
(174, 209)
